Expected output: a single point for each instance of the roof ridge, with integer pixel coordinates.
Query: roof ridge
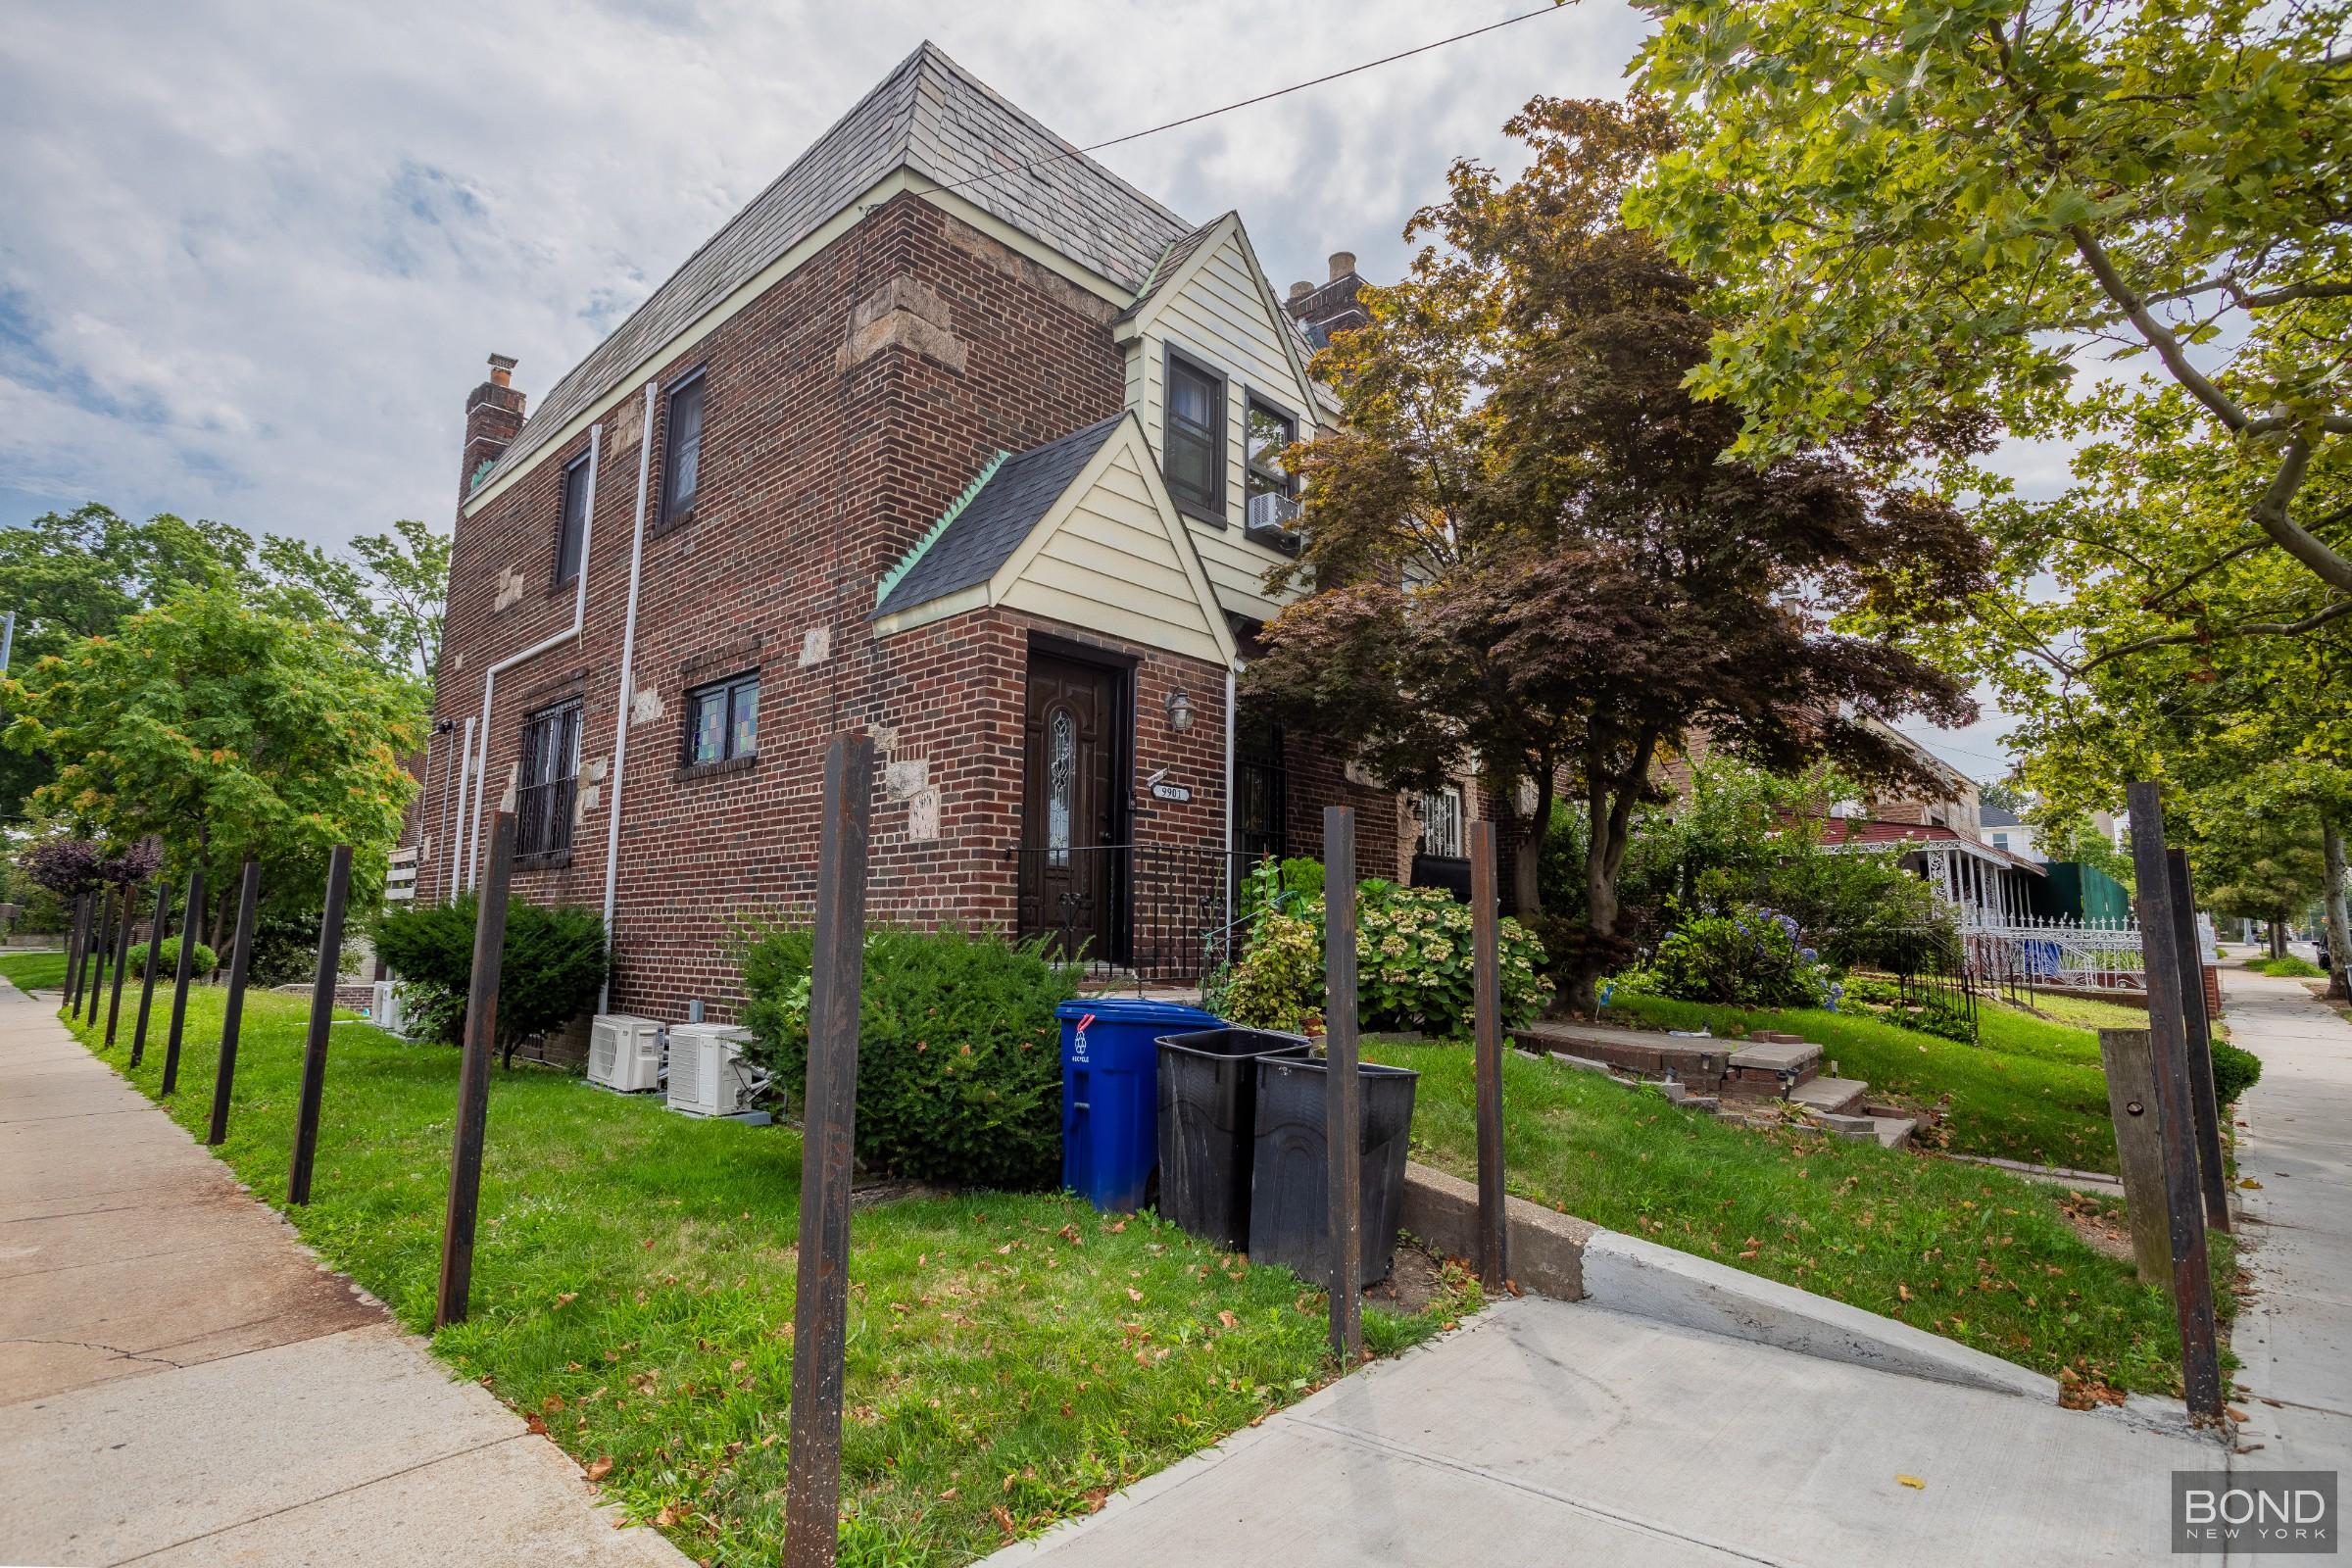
(1080, 154)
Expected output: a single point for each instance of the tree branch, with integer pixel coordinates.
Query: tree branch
(2245, 628)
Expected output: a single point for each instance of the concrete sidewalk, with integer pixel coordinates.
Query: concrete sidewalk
(182, 1383)
(1545, 1432)
(2295, 1335)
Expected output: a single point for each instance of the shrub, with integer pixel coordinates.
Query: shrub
(1414, 970)
(2234, 1071)
(285, 948)
(1274, 887)
(1748, 957)
(553, 963)
(958, 1052)
(167, 958)
(1278, 982)
(2289, 968)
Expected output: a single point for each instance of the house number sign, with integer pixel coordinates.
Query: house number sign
(1170, 792)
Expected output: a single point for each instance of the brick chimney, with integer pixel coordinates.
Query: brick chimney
(493, 416)
(1331, 306)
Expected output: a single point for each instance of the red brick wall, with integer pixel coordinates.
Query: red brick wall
(834, 434)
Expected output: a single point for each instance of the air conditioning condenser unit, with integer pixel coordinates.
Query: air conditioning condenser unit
(708, 1075)
(624, 1052)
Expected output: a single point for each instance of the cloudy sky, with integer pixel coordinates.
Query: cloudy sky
(254, 254)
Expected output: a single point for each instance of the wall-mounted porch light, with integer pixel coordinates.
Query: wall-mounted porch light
(1179, 711)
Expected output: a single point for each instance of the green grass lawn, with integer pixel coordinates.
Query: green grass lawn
(1976, 1254)
(1011, 1358)
(2029, 1089)
(2087, 1013)
(30, 969)
(2289, 968)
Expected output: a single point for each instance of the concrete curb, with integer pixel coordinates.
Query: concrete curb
(1571, 1260)
(1546, 1248)
(1646, 1280)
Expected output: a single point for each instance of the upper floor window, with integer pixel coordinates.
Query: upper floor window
(1273, 493)
(722, 719)
(571, 529)
(1196, 447)
(682, 458)
(549, 780)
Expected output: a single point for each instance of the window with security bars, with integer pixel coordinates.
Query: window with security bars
(549, 781)
(1441, 823)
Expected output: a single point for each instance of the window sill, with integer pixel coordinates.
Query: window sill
(546, 861)
(1201, 516)
(687, 772)
(1283, 541)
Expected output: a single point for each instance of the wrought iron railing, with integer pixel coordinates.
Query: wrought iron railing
(1154, 913)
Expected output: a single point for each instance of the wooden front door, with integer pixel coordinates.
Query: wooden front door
(1071, 881)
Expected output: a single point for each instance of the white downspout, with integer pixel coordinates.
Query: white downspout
(1232, 870)
(628, 676)
(579, 616)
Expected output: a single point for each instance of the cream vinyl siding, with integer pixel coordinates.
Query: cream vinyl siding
(1218, 312)
(1106, 560)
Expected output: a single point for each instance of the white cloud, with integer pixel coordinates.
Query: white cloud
(256, 253)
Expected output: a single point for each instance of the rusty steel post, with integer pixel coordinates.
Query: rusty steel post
(232, 1018)
(155, 943)
(1486, 967)
(474, 1074)
(1343, 1088)
(2214, 1180)
(113, 1001)
(322, 1017)
(190, 913)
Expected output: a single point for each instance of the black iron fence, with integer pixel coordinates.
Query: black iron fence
(1139, 912)
(1929, 967)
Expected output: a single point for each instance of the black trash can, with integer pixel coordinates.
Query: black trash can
(1209, 1125)
(1289, 1217)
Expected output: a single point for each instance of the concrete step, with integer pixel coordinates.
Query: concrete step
(1836, 1097)
(1894, 1132)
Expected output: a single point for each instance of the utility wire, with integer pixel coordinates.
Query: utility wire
(1263, 97)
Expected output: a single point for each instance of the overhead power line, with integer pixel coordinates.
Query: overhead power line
(1263, 97)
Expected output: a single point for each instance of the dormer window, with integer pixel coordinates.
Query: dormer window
(1195, 447)
(1272, 508)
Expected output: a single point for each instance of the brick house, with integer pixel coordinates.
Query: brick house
(950, 437)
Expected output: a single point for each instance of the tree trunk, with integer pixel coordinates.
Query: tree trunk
(2278, 934)
(1608, 817)
(2339, 950)
(1527, 859)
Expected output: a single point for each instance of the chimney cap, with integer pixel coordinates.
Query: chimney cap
(502, 366)
(1342, 263)
(1301, 288)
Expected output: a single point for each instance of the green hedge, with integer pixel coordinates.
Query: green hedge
(167, 961)
(553, 966)
(958, 1053)
(2234, 1071)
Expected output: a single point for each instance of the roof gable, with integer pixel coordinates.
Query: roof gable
(1080, 530)
(1186, 260)
(929, 115)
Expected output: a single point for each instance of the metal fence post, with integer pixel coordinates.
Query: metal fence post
(232, 1017)
(322, 1017)
(473, 1074)
(96, 963)
(821, 1291)
(2198, 1031)
(114, 1001)
(1344, 1090)
(155, 943)
(1486, 965)
(189, 914)
(2192, 1283)
(77, 946)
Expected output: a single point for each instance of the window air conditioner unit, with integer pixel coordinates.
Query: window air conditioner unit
(624, 1052)
(708, 1075)
(384, 1006)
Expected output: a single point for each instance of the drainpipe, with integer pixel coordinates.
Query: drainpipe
(453, 822)
(1232, 671)
(579, 616)
(628, 675)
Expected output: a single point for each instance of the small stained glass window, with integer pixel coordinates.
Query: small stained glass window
(1061, 783)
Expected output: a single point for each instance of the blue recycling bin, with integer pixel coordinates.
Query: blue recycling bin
(1110, 1093)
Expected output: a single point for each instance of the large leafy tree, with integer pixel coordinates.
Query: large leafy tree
(1528, 551)
(225, 731)
(1932, 204)
(387, 591)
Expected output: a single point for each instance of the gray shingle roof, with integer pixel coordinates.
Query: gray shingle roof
(983, 532)
(1999, 816)
(931, 115)
(1170, 262)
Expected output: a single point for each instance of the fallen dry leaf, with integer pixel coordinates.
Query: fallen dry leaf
(1226, 1318)
(1913, 1481)
(599, 1467)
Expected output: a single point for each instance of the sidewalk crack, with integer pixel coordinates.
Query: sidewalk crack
(107, 1350)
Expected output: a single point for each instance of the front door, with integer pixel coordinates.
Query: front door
(1072, 883)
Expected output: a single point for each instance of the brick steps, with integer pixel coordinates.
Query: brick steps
(1831, 1097)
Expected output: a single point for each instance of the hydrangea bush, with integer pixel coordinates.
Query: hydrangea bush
(1413, 969)
(1748, 958)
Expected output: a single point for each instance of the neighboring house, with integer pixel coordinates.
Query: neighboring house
(1940, 828)
(953, 438)
(2005, 830)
